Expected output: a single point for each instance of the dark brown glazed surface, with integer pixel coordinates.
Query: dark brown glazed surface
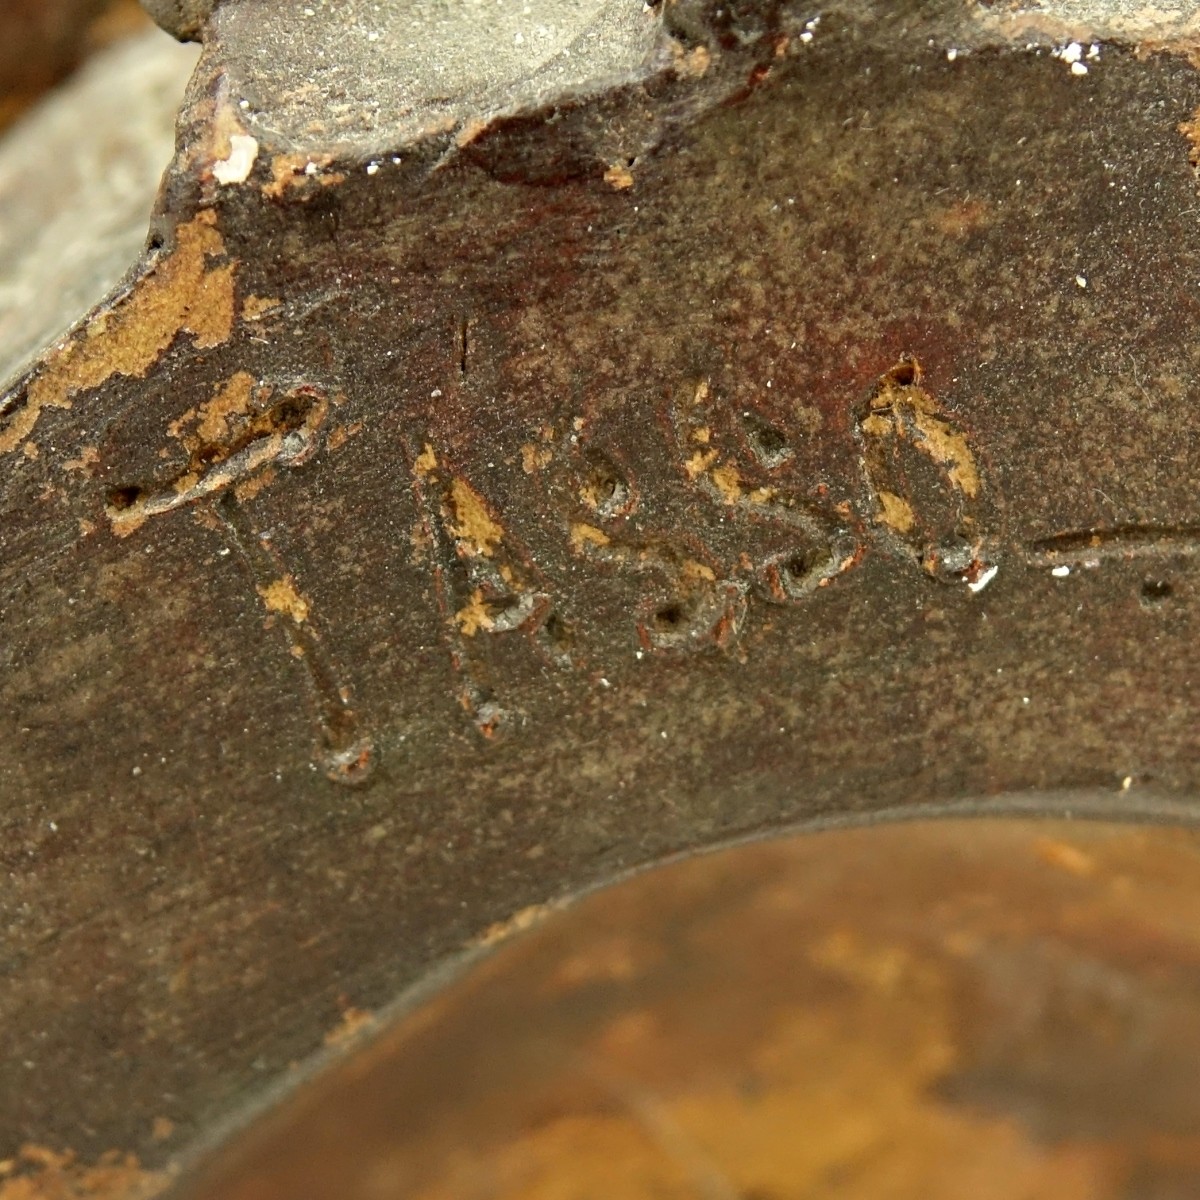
(804, 428)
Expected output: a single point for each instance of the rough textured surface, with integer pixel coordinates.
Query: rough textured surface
(1004, 1010)
(790, 431)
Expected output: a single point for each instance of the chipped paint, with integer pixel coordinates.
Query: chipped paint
(520, 922)
(583, 535)
(937, 518)
(249, 488)
(282, 596)
(254, 308)
(699, 463)
(228, 439)
(287, 449)
(619, 362)
(162, 1129)
(534, 458)
(299, 171)
(896, 512)
(472, 525)
(39, 1173)
(220, 131)
(426, 462)
(88, 458)
(690, 64)
(354, 1023)
(902, 409)
(181, 292)
(474, 615)
(287, 171)
(469, 131)
(213, 421)
(728, 481)
(236, 168)
(619, 177)
(945, 445)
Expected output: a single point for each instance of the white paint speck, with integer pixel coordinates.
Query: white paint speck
(311, 169)
(1081, 280)
(1126, 783)
(435, 393)
(1072, 55)
(1060, 572)
(951, 54)
(981, 581)
(373, 168)
(243, 150)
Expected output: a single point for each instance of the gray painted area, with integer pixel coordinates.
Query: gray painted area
(366, 75)
(362, 77)
(77, 180)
